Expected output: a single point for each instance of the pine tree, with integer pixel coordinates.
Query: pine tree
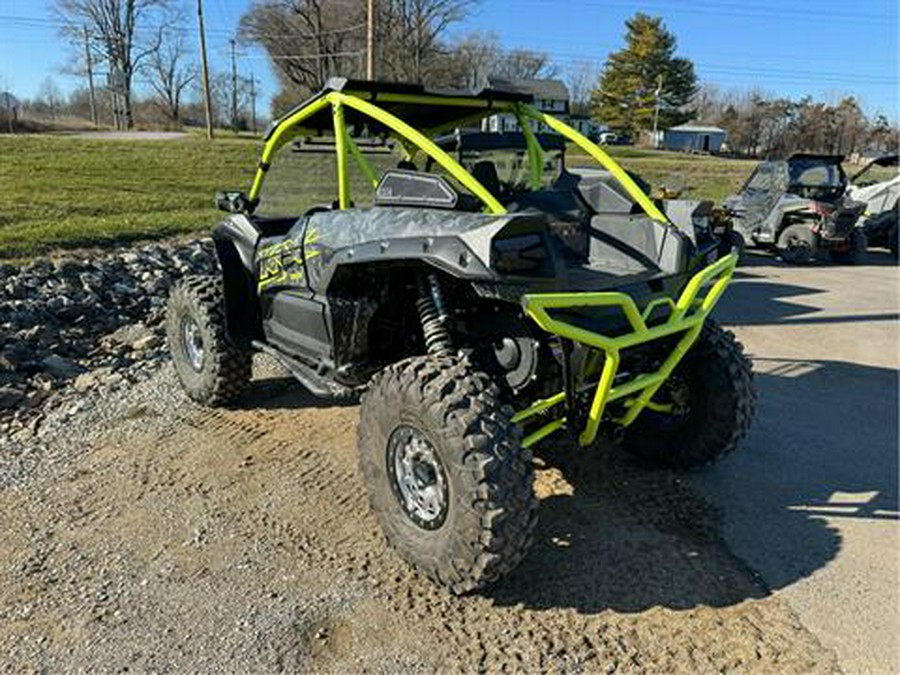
(627, 93)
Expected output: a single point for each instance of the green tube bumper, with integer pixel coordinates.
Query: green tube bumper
(686, 317)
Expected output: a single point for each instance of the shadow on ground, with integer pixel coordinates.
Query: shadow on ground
(752, 302)
(875, 257)
(615, 535)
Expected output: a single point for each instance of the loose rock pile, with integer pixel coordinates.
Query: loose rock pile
(72, 325)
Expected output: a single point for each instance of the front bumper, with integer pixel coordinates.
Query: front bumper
(686, 317)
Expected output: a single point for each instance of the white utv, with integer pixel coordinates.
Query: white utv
(877, 185)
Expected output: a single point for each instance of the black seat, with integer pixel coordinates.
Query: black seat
(485, 172)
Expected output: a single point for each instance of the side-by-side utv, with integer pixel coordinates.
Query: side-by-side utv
(480, 297)
(798, 208)
(877, 185)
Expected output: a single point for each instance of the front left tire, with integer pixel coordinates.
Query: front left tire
(796, 244)
(448, 480)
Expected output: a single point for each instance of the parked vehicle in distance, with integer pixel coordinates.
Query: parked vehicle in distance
(478, 303)
(877, 186)
(798, 208)
(613, 138)
(608, 138)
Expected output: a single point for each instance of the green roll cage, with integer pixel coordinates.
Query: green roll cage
(686, 314)
(414, 140)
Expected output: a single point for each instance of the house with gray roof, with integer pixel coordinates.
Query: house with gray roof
(550, 96)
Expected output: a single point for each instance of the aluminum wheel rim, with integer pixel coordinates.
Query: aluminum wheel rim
(418, 479)
(192, 342)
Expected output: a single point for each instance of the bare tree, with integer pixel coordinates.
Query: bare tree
(115, 26)
(525, 64)
(167, 72)
(308, 40)
(581, 80)
(49, 98)
(474, 57)
(410, 32)
(220, 92)
(311, 40)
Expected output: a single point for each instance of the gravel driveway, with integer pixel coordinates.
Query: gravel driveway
(142, 532)
(155, 535)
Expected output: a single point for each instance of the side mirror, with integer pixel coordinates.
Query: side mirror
(232, 201)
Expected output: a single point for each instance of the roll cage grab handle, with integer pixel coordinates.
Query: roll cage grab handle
(413, 140)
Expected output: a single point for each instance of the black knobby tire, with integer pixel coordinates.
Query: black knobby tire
(733, 242)
(855, 253)
(490, 508)
(196, 308)
(796, 244)
(721, 404)
(892, 236)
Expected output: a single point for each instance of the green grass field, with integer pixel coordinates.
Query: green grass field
(705, 177)
(64, 192)
(58, 192)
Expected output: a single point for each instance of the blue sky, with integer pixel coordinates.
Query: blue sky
(819, 47)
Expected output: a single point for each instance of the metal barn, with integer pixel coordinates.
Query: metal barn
(694, 138)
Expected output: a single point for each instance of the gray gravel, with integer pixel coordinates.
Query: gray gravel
(72, 325)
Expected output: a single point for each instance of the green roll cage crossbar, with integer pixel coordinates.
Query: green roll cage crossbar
(685, 315)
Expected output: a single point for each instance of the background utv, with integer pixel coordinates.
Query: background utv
(798, 207)
(480, 304)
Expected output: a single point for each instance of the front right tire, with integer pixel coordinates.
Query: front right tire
(711, 399)
(448, 479)
(855, 252)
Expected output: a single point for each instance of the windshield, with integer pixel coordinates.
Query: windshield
(877, 172)
(500, 161)
(808, 173)
(512, 167)
(768, 177)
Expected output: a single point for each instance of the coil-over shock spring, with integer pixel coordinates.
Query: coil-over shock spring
(433, 315)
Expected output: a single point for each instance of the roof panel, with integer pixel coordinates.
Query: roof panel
(433, 107)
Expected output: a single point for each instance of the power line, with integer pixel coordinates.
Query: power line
(721, 9)
(59, 23)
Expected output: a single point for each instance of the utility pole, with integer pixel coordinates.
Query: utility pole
(234, 114)
(656, 112)
(7, 97)
(253, 102)
(370, 40)
(205, 71)
(90, 74)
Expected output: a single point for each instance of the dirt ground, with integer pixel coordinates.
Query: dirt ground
(165, 537)
(146, 533)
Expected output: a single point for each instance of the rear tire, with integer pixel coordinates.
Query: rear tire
(855, 253)
(448, 480)
(796, 244)
(212, 371)
(892, 239)
(718, 401)
(733, 242)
